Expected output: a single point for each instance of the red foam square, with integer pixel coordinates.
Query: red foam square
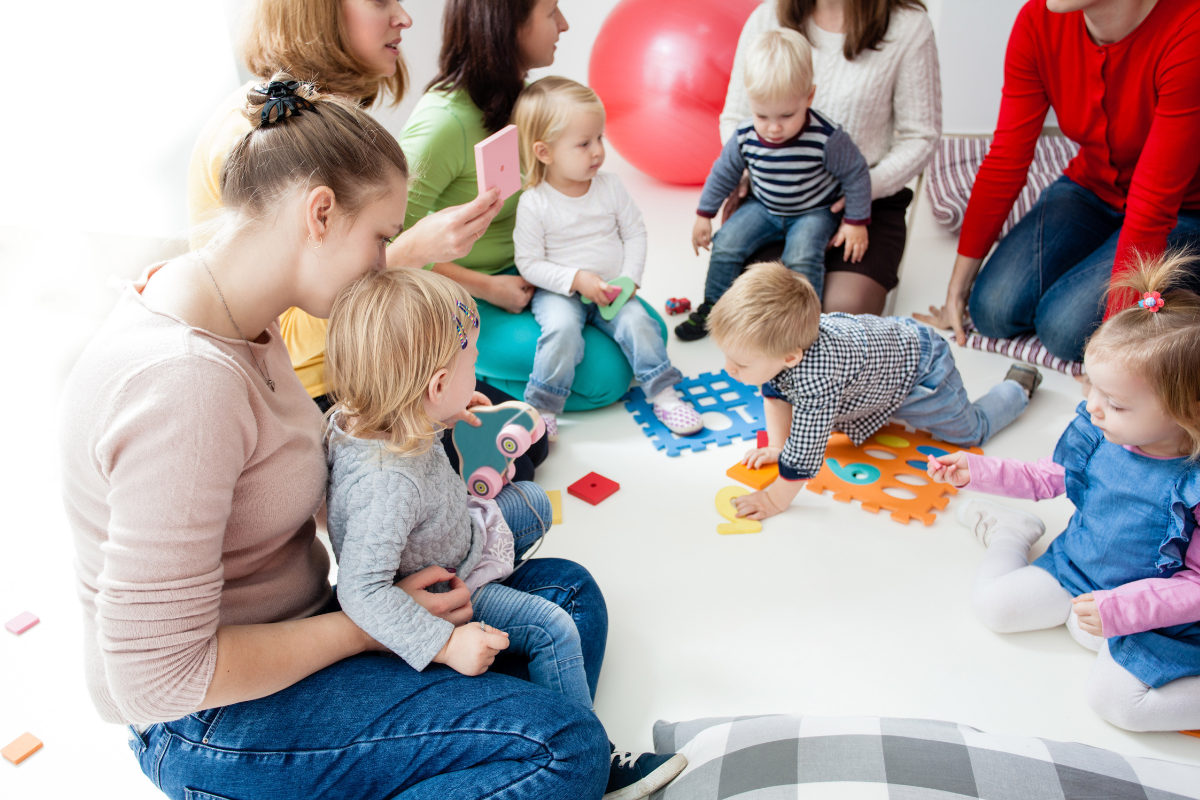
(593, 488)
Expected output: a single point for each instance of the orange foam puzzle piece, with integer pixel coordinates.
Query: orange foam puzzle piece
(757, 479)
(1191, 733)
(21, 748)
(866, 477)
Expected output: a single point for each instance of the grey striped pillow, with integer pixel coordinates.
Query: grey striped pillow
(957, 161)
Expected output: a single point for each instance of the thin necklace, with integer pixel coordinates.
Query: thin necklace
(265, 376)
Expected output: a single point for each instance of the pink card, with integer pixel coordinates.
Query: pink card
(22, 622)
(498, 162)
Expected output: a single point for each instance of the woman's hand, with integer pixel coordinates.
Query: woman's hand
(453, 606)
(472, 648)
(761, 457)
(855, 239)
(446, 235)
(951, 315)
(736, 197)
(510, 292)
(701, 234)
(477, 399)
(1088, 612)
(951, 469)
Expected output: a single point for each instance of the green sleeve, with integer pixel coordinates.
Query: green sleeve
(435, 143)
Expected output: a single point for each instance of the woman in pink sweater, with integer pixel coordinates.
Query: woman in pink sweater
(192, 466)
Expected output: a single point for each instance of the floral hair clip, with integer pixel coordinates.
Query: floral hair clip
(1151, 301)
(462, 335)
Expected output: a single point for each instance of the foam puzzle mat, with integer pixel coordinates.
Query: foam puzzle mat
(888, 472)
(708, 392)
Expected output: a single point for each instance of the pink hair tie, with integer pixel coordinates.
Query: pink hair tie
(1151, 301)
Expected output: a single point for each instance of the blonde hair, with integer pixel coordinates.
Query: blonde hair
(543, 110)
(308, 39)
(1162, 347)
(779, 65)
(389, 332)
(770, 310)
(331, 142)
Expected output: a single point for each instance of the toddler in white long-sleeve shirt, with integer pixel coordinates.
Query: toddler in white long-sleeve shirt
(577, 228)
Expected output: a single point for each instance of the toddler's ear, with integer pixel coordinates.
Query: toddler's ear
(542, 152)
(794, 358)
(436, 389)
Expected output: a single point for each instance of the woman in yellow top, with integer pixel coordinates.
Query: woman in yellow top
(346, 47)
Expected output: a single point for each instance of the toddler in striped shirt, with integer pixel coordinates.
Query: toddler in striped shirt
(800, 165)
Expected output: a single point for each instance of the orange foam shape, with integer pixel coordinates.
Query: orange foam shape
(757, 479)
(930, 497)
(21, 748)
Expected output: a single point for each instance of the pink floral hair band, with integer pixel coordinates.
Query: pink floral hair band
(1151, 301)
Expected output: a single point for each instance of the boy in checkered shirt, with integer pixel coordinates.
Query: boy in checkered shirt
(826, 372)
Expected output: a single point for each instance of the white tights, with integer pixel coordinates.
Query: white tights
(1010, 596)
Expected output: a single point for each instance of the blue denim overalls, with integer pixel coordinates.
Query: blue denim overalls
(1133, 520)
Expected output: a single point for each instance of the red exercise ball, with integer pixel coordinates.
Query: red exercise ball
(662, 69)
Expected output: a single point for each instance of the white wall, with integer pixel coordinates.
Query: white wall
(101, 107)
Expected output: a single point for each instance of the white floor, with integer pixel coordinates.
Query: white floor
(830, 610)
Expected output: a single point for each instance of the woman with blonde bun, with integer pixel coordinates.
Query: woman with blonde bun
(346, 47)
(192, 467)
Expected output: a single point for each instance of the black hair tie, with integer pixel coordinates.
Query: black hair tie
(282, 101)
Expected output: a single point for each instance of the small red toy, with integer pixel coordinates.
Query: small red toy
(593, 488)
(678, 305)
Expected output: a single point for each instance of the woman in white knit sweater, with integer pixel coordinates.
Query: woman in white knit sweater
(876, 70)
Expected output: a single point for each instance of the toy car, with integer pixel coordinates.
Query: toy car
(678, 305)
(486, 453)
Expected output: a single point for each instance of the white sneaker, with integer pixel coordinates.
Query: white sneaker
(551, 425)
(986, 519)
(679, 417)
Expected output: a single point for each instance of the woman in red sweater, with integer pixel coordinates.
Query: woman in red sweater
(1123, 77)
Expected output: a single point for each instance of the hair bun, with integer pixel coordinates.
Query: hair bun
(278, 99)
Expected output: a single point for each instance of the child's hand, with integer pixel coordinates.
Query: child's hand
(589, 285)
(951, 469)
(762, 456)
(756, 505)
(855, 239)
(701, 234)
(477, 399)
(1088, 612)
(472, 648)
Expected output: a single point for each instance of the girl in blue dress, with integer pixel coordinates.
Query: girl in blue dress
(1121, 576)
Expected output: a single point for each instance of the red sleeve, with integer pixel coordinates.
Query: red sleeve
(1169, 160)
(1022, 111)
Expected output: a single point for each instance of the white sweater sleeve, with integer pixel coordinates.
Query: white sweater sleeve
(917, 109)
(529, 245)
(632, 230)
(737, 102)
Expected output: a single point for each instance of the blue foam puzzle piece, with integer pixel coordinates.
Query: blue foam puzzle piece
(705, 396)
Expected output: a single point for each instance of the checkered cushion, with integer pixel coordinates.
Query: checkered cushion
(770, 757)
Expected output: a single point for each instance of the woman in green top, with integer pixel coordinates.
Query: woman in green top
(488, 48)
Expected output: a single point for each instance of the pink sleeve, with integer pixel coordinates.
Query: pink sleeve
(1009, 477)
(1154, 602)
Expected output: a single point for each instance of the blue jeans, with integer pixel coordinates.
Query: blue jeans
(560, 347)
(540, 631)
(1049, 275)
(752, 226)
(371, 726)
(938, 403)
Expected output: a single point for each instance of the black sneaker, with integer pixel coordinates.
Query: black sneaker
(696, 325)
(1027, 375)
(630, 779)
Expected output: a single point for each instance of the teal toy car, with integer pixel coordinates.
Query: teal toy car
(486, 453)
